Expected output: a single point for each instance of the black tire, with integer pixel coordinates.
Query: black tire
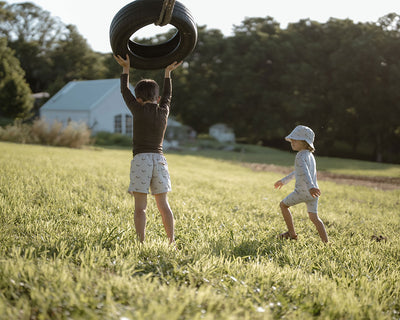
(141, 13)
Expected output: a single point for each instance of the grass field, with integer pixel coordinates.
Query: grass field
(68, 248)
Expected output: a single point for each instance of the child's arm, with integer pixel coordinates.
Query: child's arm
(279, 184)
(165, 100)
(130, 100)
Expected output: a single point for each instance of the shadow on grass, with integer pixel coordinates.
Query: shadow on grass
(265, 247)
(257, 248)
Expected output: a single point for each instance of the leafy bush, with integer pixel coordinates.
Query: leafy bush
(74, 135)
(5, 121)
(104, 138)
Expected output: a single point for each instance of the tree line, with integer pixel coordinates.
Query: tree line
(340, 78)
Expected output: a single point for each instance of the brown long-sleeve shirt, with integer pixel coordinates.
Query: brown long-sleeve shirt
(149, 120)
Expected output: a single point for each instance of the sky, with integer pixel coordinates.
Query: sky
(93, 17)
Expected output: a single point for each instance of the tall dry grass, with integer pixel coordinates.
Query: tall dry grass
(74, 135)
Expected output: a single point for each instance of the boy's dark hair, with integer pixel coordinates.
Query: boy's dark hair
(147, 90)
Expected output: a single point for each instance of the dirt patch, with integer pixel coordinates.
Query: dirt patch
(381, 183)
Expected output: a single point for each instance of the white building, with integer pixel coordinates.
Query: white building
(222, 133)
(98, 103)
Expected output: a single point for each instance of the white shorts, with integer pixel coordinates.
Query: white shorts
(297, 197)
(149, 170)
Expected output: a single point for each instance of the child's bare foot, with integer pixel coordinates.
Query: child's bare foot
(286, 235)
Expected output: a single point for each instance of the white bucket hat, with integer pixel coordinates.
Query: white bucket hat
(302, 133)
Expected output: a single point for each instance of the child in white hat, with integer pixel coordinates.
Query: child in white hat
(306, 187)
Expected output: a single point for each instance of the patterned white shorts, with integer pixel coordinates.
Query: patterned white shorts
(149, 170)
(297, 197)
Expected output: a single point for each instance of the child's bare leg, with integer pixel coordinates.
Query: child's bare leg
(287, 216)
(166, 215)
(140, 214)
(319, 225)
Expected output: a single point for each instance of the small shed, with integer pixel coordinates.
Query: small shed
(98, 103)
(178, 131)
(222, 133)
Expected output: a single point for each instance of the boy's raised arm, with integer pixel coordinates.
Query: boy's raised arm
(125, 90)
(171, 68)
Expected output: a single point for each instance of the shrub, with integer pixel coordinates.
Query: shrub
(74, 135)
(103, 138)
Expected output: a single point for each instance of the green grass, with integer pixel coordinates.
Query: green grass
(68, 248)
(258, 154)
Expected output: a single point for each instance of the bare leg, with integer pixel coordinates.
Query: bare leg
(166, 215)
(140, 214)
(319, 225)
(287, 216)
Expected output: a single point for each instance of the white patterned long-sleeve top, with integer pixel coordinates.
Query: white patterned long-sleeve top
(305, 172)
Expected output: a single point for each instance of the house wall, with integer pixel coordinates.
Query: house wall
(64, 116)
(102, 115)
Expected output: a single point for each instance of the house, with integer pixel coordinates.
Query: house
(222, 133)
(98, 103)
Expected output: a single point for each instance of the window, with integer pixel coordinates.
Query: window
(118, 123)
(128, 125)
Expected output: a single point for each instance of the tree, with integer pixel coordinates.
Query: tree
(50, 52)
(28, 23)
(112, 68)
(306, 81)
(15, 94)
(198, 87)
(5, 15)
(367, 69)
(252, 85)
(32, 33)
(73, 59)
